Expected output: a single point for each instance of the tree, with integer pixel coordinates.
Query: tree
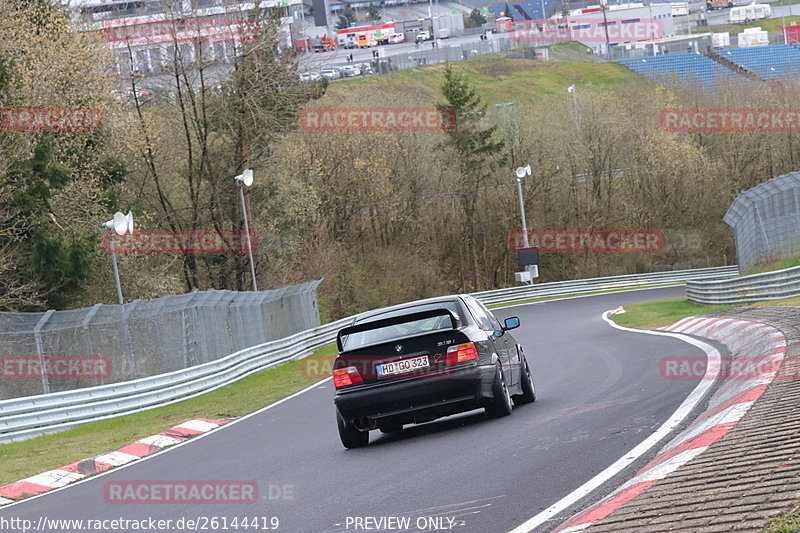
(507, 12)
(475, 19)
(54, 187)
(217, 129)
(477, 152)
(342, 23)
(373, 13)
(59, 262)
(347, 18)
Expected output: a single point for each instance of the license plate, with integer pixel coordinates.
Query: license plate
(403, 366)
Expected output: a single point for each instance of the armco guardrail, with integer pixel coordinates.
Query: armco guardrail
(24, 418)
(584, 286)
(756, 287)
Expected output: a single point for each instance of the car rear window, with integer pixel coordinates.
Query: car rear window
(406, 329)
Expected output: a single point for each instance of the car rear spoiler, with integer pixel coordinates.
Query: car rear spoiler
(455, 322)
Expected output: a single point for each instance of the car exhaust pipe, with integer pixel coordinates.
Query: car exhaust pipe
(365, 424)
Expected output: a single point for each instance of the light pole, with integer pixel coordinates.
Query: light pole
(574, 92)
(245, 179)
(783, 22)
(120, 224)
(328, 23)
(521, 173)
(650, 24)
(605, 25)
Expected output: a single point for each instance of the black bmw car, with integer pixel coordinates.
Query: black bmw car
(422, 360)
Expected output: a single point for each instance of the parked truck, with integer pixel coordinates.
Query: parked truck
(749, 13)
(753, 37)
(323, 44)
(718, 4)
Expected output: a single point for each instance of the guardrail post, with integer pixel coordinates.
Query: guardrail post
(87, 320)
(127, 309)
(189, 356)
(761, 226)
(37, 335)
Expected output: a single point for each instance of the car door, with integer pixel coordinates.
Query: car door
(488, 323)
(512, 353)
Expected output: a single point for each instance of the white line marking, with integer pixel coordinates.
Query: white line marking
(115, 458)
(579, 527)
(55, 478)
(734, 413)
(677, 324)
(298, 393)
(695, 325)
(662, 470)
(196, 425)
(171, 448)
(159, 441)
(691, 401)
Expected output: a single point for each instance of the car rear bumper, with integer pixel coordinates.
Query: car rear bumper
(413, 400)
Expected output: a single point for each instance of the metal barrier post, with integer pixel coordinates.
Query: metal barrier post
(37, 335)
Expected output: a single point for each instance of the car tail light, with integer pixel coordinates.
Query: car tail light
(342, 377)
(461, 353)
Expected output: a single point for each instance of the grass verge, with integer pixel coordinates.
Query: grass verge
(788, 523)
(19, 460)
(496, 79)
(775, 265)
(659, 313)
(774, 24)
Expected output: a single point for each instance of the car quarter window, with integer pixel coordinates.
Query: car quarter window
(479, 315)
(495, 322)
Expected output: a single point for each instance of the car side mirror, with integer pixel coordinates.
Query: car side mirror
(511, 323)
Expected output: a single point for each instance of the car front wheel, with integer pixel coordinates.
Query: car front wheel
(528, 390)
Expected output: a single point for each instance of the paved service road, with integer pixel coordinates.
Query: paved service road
(599, 394)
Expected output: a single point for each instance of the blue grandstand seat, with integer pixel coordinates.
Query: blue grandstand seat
(771, 62)
(681, 69)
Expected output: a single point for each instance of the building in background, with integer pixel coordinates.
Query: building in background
(625, 24)
(144, 34)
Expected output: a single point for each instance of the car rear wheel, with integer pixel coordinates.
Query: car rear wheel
(351, 437)
(501, 404)
(528, 390)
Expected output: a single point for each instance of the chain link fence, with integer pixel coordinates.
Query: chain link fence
(766, 221)
(112, 343)
(432, 52)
